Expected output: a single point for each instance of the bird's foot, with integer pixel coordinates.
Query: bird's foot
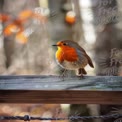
(63, 75)
(81, 76)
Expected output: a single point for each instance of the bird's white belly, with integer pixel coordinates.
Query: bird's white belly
(73, 65)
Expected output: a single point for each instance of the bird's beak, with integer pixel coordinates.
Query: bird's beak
(54, 45)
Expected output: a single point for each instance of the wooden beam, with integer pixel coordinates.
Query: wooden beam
(61, 96)
(51, 89)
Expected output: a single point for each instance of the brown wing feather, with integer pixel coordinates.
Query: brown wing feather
(89, 59)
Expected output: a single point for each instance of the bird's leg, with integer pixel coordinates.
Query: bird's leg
(64, 74)
(80, 73)
(81, 76)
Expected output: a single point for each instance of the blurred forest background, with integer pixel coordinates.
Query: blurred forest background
(28, 28)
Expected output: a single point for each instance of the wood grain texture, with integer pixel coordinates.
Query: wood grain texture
(74, 97)
(51, 89)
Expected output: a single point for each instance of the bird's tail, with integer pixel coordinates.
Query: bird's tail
(81, 71)
(90, 61)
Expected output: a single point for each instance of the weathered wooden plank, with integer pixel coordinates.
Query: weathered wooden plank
(106, 83)
(61, 96)
(51, 89)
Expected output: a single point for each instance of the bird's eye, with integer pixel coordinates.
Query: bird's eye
(64, 43)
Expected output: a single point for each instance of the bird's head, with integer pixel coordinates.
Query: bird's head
(65, 44)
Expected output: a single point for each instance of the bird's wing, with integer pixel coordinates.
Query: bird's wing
(81, 51)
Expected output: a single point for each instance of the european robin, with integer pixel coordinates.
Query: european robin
(71, 56)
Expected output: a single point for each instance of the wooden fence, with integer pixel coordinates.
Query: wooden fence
(51, 89)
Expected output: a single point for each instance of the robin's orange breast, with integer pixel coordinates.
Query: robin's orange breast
(66, 53)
